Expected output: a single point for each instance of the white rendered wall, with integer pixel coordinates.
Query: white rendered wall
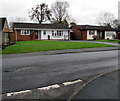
(110, 37)
(49, 32)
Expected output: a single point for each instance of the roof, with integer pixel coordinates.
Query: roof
(2, 21)
(39, 26)
(89, 27)
(117, 29)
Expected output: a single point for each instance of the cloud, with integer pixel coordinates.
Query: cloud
(83, 11)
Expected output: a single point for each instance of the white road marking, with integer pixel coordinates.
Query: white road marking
(49, 87)
(15, 93)
(45, 88)
(70, 83)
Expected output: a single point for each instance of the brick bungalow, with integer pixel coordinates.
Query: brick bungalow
(35, 31)
(88, 32)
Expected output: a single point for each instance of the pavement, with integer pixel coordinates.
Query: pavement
(66, 51)
(104, 87)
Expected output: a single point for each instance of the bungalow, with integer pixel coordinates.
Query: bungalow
(87, 32)
(4, 30)
(35, 31)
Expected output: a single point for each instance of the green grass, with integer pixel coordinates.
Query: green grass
(111, 41)
(37, 46)
(0, 51)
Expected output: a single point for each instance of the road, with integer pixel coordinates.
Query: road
(104, 87)
(28, 72)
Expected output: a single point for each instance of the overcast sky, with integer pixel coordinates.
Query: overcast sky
(83, 11)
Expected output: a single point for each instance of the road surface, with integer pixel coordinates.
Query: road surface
(105, 87)
(28, 72)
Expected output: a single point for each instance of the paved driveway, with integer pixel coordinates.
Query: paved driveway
(95, 42)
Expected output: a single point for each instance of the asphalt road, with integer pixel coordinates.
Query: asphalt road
(105, 87)
(28, 72)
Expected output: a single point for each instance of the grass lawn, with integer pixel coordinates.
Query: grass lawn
(111, 41)
(37, 46)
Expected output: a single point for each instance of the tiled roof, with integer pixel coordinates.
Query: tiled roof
(89, 27)
(117, 29)
(39, 26)
(2, 21)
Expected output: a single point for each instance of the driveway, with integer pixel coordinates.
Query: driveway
(95, 42)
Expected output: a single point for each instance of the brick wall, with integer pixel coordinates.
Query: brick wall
(84, 35)
(20, 37)
(79, 35)
(76, 33)
(118, 35)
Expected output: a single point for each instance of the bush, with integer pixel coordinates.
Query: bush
(114, 36)
(95, 37)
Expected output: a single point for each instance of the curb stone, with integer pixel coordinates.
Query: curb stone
(66, 51)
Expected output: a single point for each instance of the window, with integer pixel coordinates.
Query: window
(52, 33)
(62, 33)
(44, 32)
(109, 33)
(59, 33)
(91, 32)
(25, 32)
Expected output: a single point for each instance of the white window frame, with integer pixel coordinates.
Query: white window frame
(59, 33)
(109, 33)
(91, 31)
(25, 32)
(53, 34)
(44, 32)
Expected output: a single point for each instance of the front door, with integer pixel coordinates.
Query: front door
(36, 35)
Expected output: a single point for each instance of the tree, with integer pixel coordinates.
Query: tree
(116, 23)
(60, 12)
(106, 19)
(41, 13)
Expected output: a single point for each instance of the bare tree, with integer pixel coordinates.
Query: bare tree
(116, 23)
(106, 19)
(60, 11)
(41, 12)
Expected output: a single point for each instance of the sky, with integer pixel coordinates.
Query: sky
(82, 11)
